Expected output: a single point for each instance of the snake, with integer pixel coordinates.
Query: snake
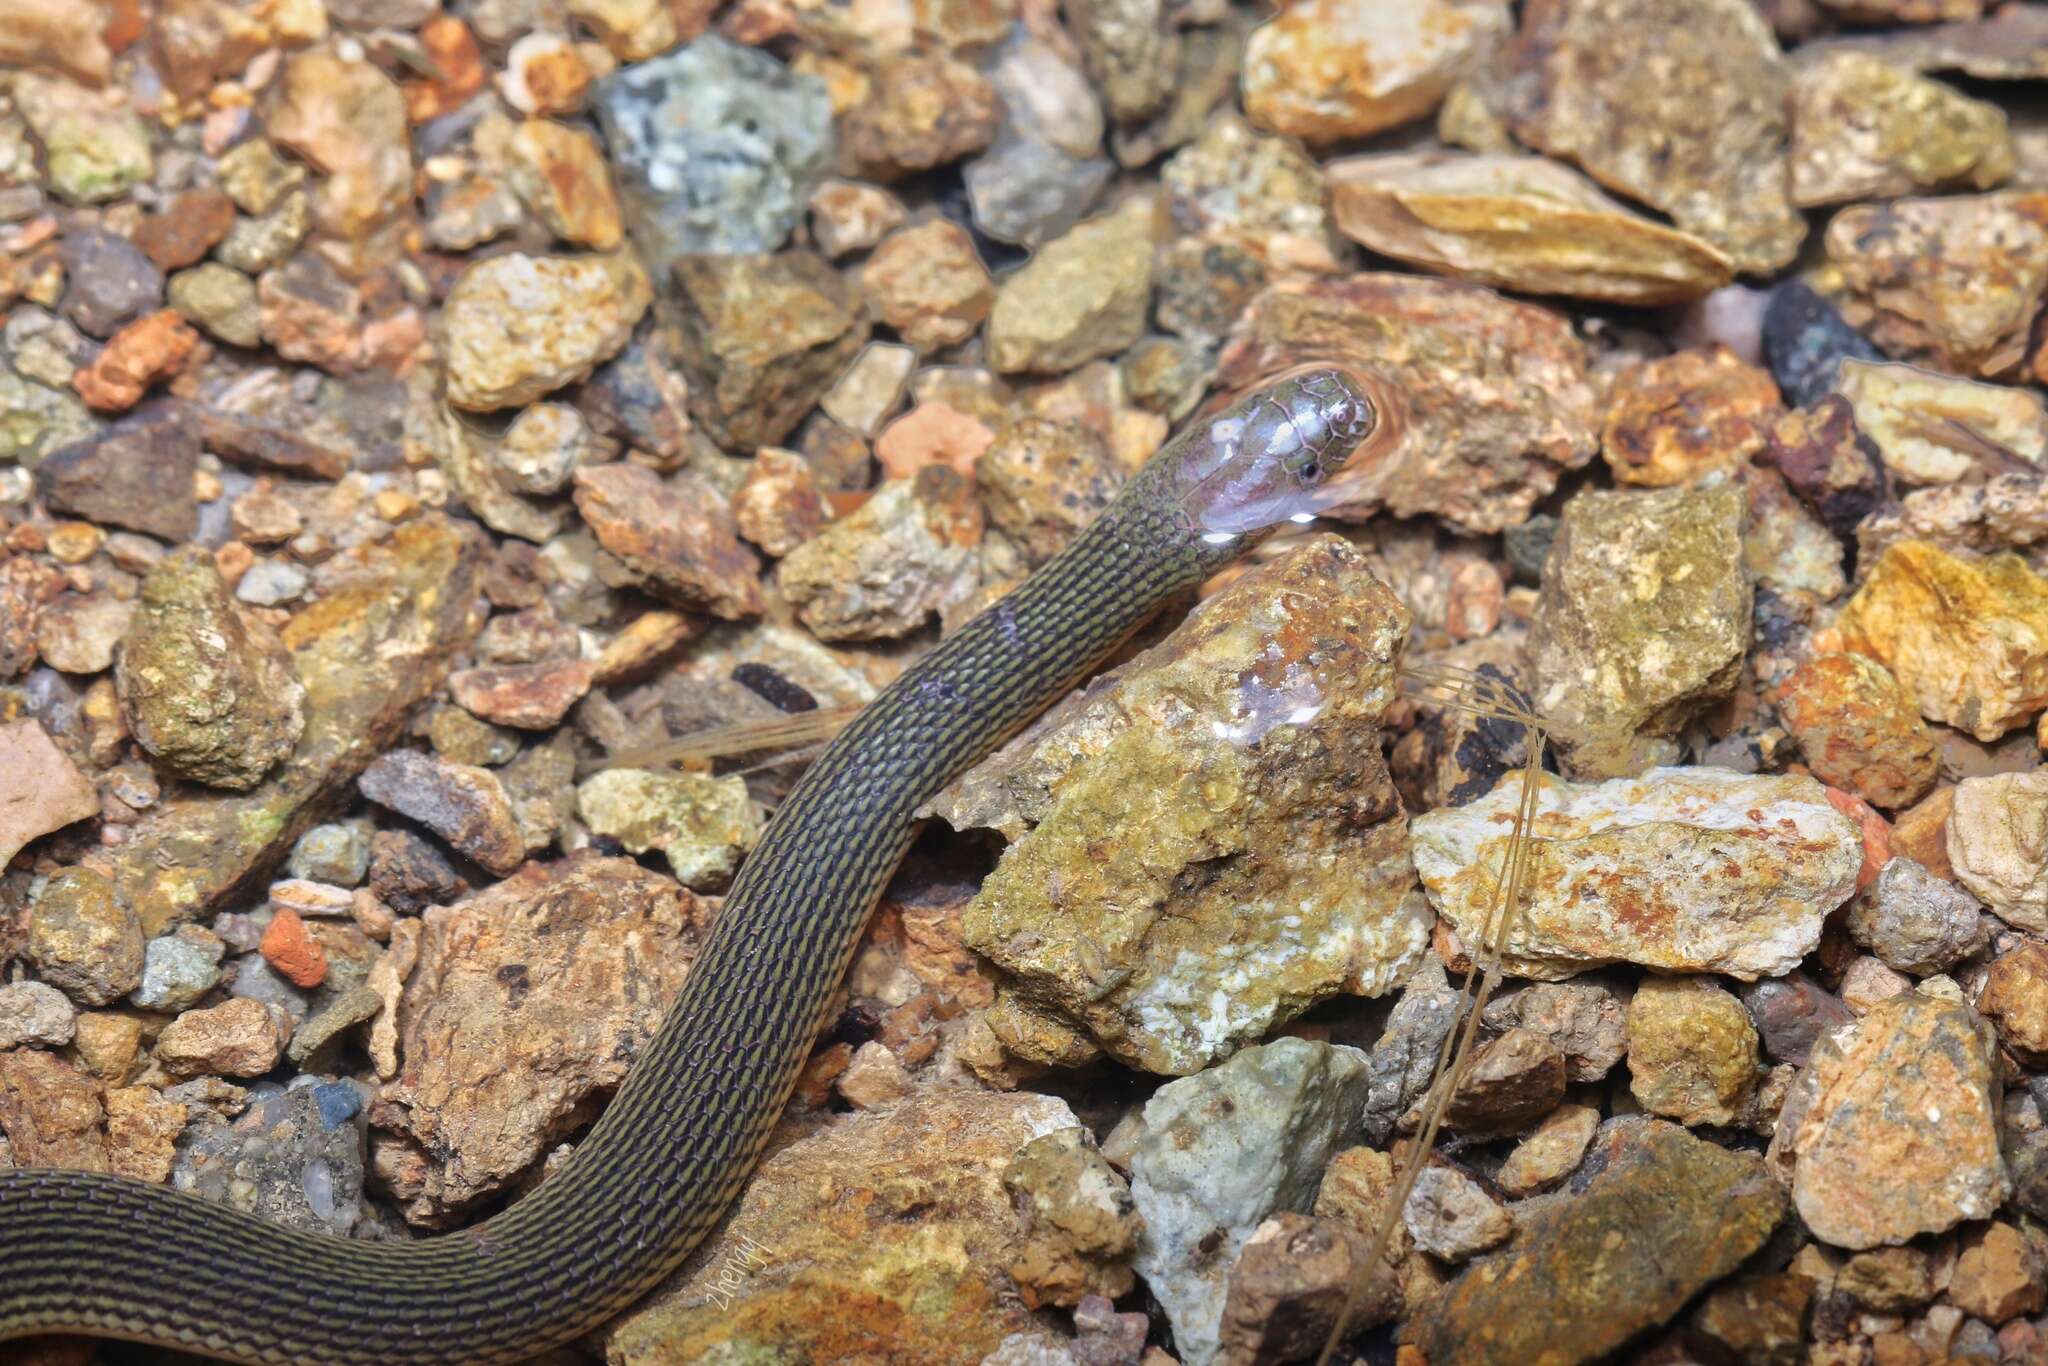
(106, 1256)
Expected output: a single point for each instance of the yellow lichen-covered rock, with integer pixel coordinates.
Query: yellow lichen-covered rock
(1967, 637)
(1207, 842)
(1691, 1050)
(1518, 222)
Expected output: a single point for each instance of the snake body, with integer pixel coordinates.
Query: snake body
(105, 1256)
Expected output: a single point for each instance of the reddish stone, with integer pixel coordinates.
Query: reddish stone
(190, 227)
(145, 351)
(295, 954)
(459, 67)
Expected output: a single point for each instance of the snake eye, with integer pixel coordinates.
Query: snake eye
(1312, 470)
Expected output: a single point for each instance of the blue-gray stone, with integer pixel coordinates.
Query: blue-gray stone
(716, 147)
(338, 854)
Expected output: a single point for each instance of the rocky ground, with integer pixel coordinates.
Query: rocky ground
(407, 407)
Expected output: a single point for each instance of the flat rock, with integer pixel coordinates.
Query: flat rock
(1484, 400)
(530, 1000)
(520, 327)
(1653, 1216)
(1997, 844)
(1891, 1130)
(1206, 841)
(678, 540)
(40, 789)
(1082, 296)
(136, 473)
(1765, 860)
(1864, 128)
(1932, 428)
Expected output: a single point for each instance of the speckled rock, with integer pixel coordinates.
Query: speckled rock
(1586, 1018)
(35, 1015)
(702, 825)
(1489, 399)
(1997, 843)
(677, 540)
(1129, 49)
(348, 119)
(35, 419)
(1549, 1154)
(849, 216)
(1189, 810)
(1858, 729)
(1891, 1131)
(927, 282)
(561, 172)
(1689, 118)
(1766, 859)
(77, 633)
(1043, 481)
(1864, 128)
(1967, 637)
(1291, 1281)
(524, 696)
(1643, 619)
(1953, 283)
(144, 352)
(1675, 418)
(258, 244)
(367, 653)
(778, 506)
(220, 300)
(1257, 192)
(82, 940)
(1452, 1217)
(1516, 222)
(1691, 1050)
(238, 1038)
(882, 570)
(294, 1156)
(1082, 296)
(466, 806)
(716, 146)
(921, 110)
(763, 337)
(179, 968)
(526, 999)
(1915, 922)
(135, 473)
(899, 1217)
(1045, 168)
(1083, 1225)
(520, 327)
(208, 691)
(50, 1112)
(1219, 1153)
(871, 388)
(95, 144)
(109, 283)
(1324, 71)
(1404, 1058)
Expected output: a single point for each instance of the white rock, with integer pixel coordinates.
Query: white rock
(1451, 1216)
(35, 1013)
(1998, 843)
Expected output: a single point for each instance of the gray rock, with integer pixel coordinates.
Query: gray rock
(107, 281)
(716, 146)
(179, 968)
(1586, 1018)
(315, 1041)
(135, 473)
(294, 1157)
(271, 582)
(1404, 1058)
(1220, 1151)
(35, 1013)
(1450, 1215)
(36, 419)
(1790, 1013)
(1027, 191)
(254, 978)
(338, 854)
(1916, 922)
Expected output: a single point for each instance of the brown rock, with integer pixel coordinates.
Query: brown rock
(1998, 1275)
(1083, 1226)
(676, 539)
(1043, 481)
(257, 445)
(929, 284)
(238, 1038)
(81, 940)
(50, 1112)
(1081, 296)
(40, 789)
(1676, 418)
(847, 216)
(1829, 463)
(561, 172)
(922, 110)
(529, 1002)
(1585, 1018)
(1513, 1082)
(882, 570)
(309, 312)
(142, 1133)
(1758, 1320)
(2015, 998)
(1549, 1154)
(524, 696)
(1858, 730)
(1921, 834)
(459, 70)
(1290, 1283)
(464, 805)
(136, 473)
(778, 506)
(295, 954)
(139, 355)
(932, 433)
(188, 227)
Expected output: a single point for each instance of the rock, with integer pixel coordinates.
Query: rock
(542, 448)
(338, 854)
(1129, 50)
(471, 463)
(1221, 1152)
(1083, 1225)
(254, 444)
(1769, 857)
(270, 583)
(874, 1079)
(631, 30)
(1324, 71)
(849, 216)
(256, 245)
(1997, 843)
(1691, 1051)
(35, 418)
(220, 300)
(293, 953)
(1404, 1058)
(466, 806)
(208, 691)
(2015, 998)
(524, 696)
(294, 1157)
(348, 119)
(1678, 417)
(40, 789)
(528, 999)
(1586, 1019)
(1690, 120)
(408, 874)
(135, 473)
(545, 74)
(922, 110)
(81, 941)
(702, 825)
(456, 66)
(1043, 481)
(932, 433)
(1966, 637)
(109, 282)
(179, 968)
(1515, 222)
(520, 327)
(778, 506)
(1934, 429)
(400, 608)
(1858, 729)
(1549, 1154)
(716, 146)
(1259, 193)
(50, 1112)
(1998, 1275)
(186, 229)
(1759, 1319)
(1240, 882)
(1291, 1282)
(1890, 1131)
(763, 337)
(899, 1217)
(95, 145)
(677, 540)
(1829, 463)
(1513, 1082)
(871, 388)
(142, 1128)
(255, 177)
(1643, 619)
(1656, 1216)
(68, 40)
(1914, 921)
(1949, 282)
(1451, 1216)
(35, 1015)
(1045, 168)
(1806, 340)
(1489, 399)
(1082, 296)
(139, 355)
(238, 1038)
(928, 283)
(317, 1040)
(77, 633)
(560, 172)
(882, 570)
(1864, 128)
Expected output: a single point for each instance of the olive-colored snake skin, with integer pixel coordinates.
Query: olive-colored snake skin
(101, 1255)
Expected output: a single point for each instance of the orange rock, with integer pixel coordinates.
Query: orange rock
(1921, 832)
(1877, 834)
(295, 954)
(452, 50)
(145, 351)
(931, 434)
(1674, 418)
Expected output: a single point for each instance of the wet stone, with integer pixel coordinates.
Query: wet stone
(294, 1157)
(82, 941)
(135, 473)
(109, 282)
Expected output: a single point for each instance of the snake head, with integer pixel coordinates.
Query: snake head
(1261, 461)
